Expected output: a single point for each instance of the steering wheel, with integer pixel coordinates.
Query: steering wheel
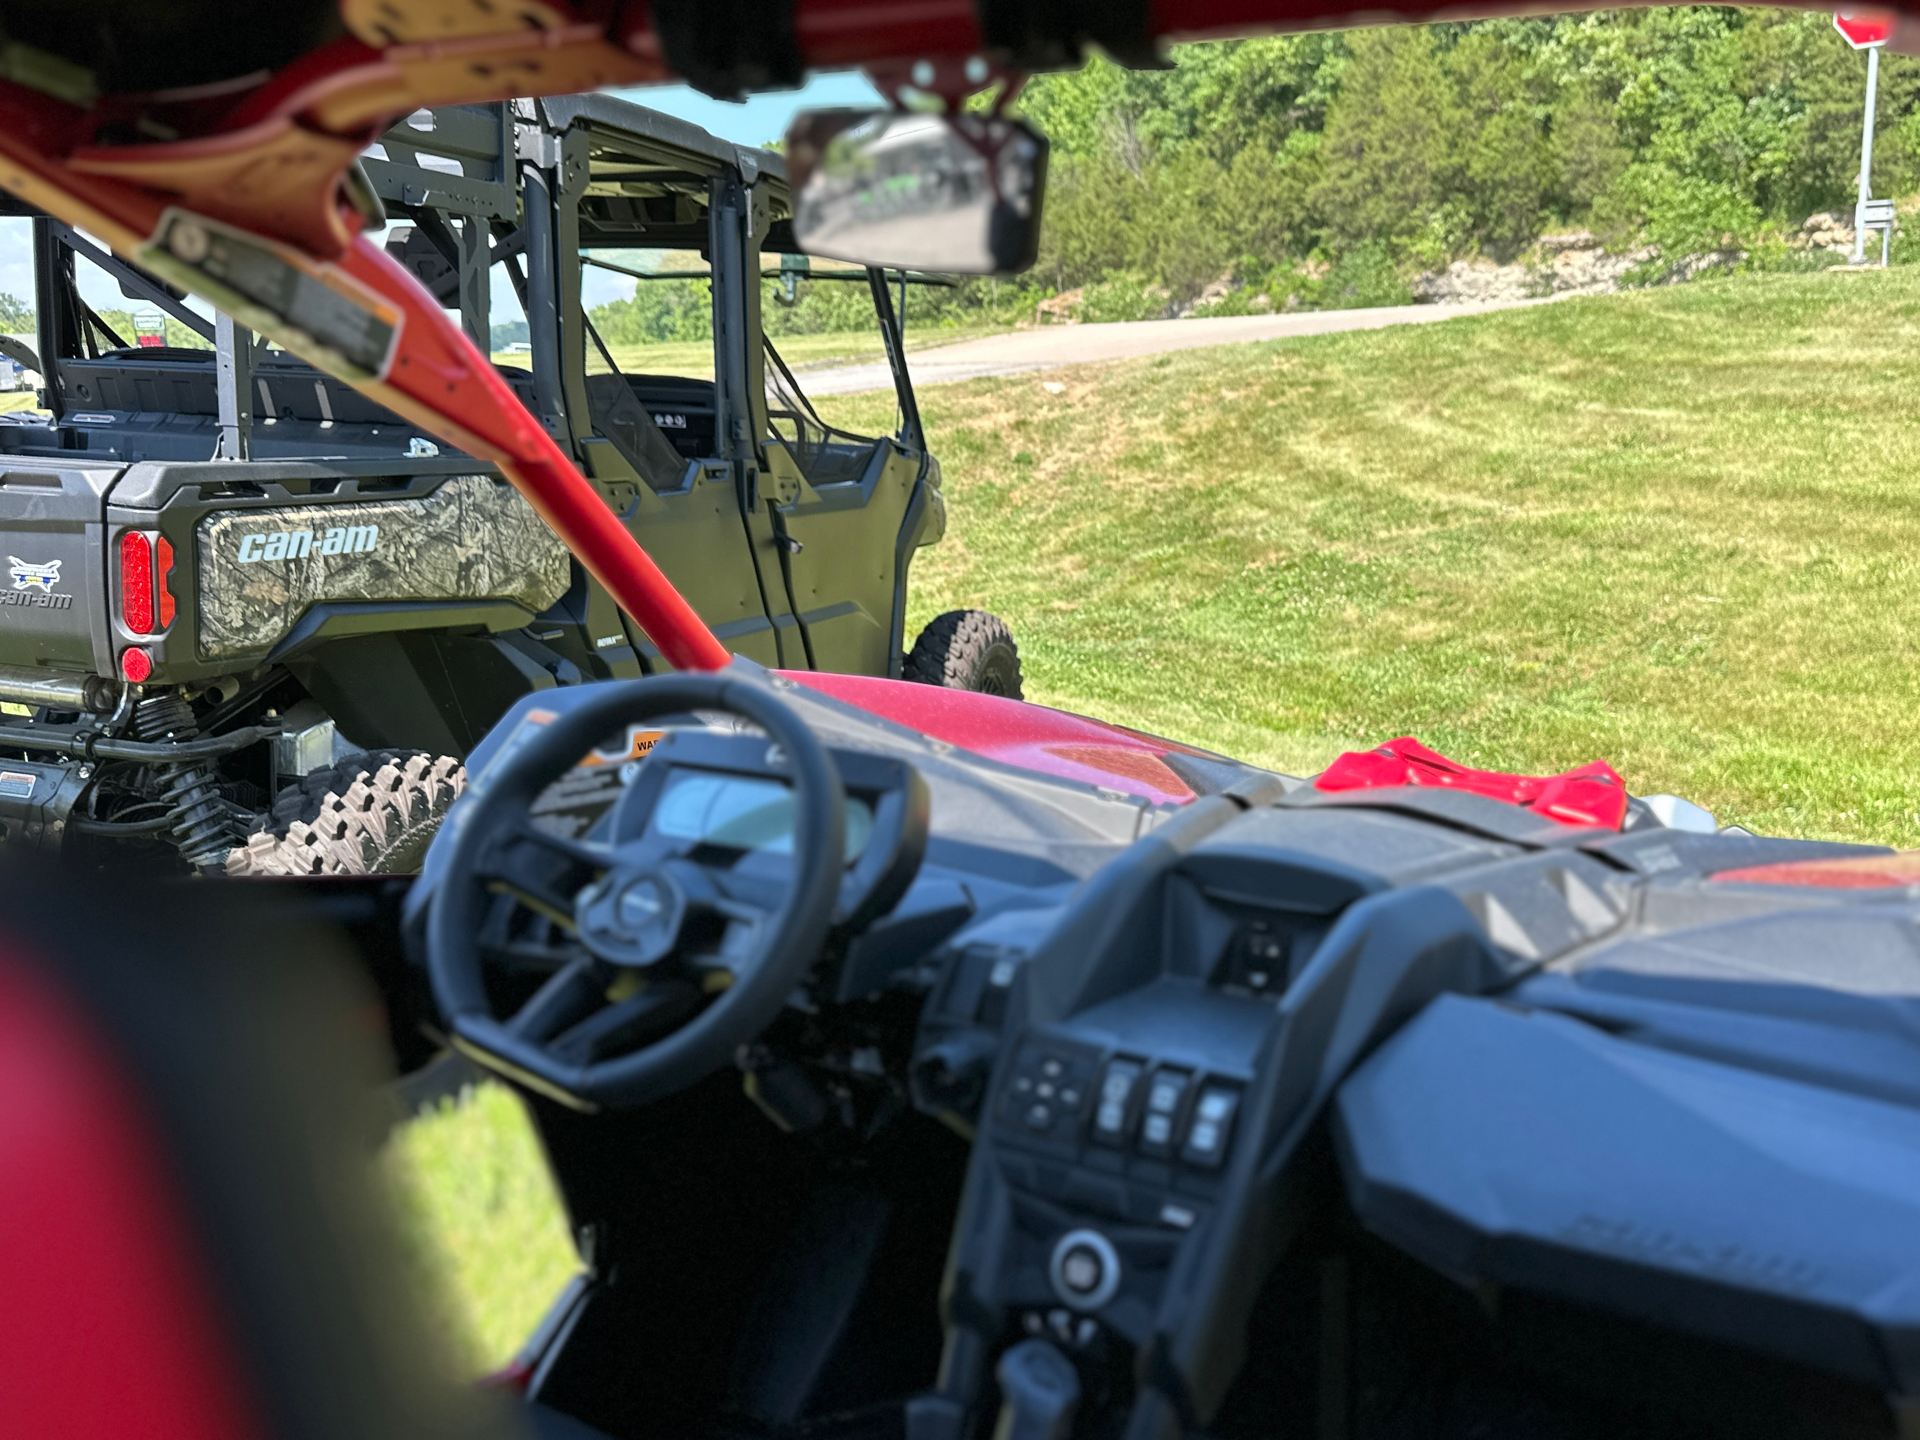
(623, 1021)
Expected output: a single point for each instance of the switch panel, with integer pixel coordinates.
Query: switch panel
(1166, 1090)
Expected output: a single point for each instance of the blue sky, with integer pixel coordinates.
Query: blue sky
(760, 118)
(754, 122)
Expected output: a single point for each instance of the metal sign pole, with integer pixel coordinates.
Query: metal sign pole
(1866, 158)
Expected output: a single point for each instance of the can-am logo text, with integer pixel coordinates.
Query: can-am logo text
(299, 544)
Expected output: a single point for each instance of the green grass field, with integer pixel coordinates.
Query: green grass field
(483, 1221)
(1678, 530)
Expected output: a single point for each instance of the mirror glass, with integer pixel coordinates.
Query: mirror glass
(953, 193)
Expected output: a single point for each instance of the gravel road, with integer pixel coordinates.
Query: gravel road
(1052, 346)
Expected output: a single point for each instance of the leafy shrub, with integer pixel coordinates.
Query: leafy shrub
(823, 307)
(1123, 296)
(1245, 300)
(1772, 255)
(1687, 215)
(1362, 278)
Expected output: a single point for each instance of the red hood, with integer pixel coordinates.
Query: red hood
(1073, 747)
(1032, 737)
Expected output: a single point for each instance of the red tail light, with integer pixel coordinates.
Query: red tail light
(136, 582)
(163, 576)
(135, 664)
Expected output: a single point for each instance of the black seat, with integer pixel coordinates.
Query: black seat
(191, 1239)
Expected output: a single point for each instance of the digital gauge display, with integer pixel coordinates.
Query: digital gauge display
(743, 812)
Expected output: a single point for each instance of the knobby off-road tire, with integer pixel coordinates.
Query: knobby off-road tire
(373, 814)
(967, 650)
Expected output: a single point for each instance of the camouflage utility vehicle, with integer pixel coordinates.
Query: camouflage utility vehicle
(255, 622)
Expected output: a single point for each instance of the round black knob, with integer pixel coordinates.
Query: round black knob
(1085, 1269)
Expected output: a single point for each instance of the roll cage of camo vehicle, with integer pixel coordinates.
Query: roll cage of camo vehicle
(327, 565)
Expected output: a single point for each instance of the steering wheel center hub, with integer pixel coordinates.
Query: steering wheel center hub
(630, 919)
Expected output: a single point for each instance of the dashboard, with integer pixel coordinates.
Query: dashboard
(1141, 1014)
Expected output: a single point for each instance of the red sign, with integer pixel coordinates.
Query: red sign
(1864, 29)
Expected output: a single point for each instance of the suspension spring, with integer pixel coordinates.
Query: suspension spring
(164, 717)
(199, 818)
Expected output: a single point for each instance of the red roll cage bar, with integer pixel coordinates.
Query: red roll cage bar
(268, 162)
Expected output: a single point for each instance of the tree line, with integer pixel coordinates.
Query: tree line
(1329, 168)
(1692, 130)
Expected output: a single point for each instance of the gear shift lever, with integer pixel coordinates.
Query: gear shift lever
(1041, 1390)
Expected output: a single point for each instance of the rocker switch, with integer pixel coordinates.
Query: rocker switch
(1165, 1091)
(1210, 1126)
(1115, 1100)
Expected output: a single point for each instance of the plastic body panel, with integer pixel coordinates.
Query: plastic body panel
(1822, 995)
(52, 514)
(1346, 931)
(1535, 1150)
(1144, 967)
(683, 409)
(470, 538)
(1003, 832)
(268, 607)
(1033, 737)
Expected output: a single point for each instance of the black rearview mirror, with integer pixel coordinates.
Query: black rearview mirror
(953, 193)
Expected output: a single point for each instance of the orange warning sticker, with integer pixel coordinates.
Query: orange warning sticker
(639, 745)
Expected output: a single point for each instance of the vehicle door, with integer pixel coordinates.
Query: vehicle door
(655, 409)
(642, 397)
(848, 507)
